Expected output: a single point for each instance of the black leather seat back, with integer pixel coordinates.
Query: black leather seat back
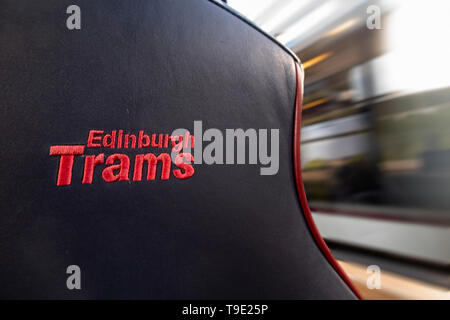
(225, 232)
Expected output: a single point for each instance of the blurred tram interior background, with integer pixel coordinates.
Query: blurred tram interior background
(376, 133)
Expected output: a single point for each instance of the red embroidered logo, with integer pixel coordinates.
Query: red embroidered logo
(118, 164)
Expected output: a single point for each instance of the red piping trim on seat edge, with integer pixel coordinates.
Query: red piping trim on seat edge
(301, 189)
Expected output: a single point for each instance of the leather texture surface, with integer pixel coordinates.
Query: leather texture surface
(225, 233)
